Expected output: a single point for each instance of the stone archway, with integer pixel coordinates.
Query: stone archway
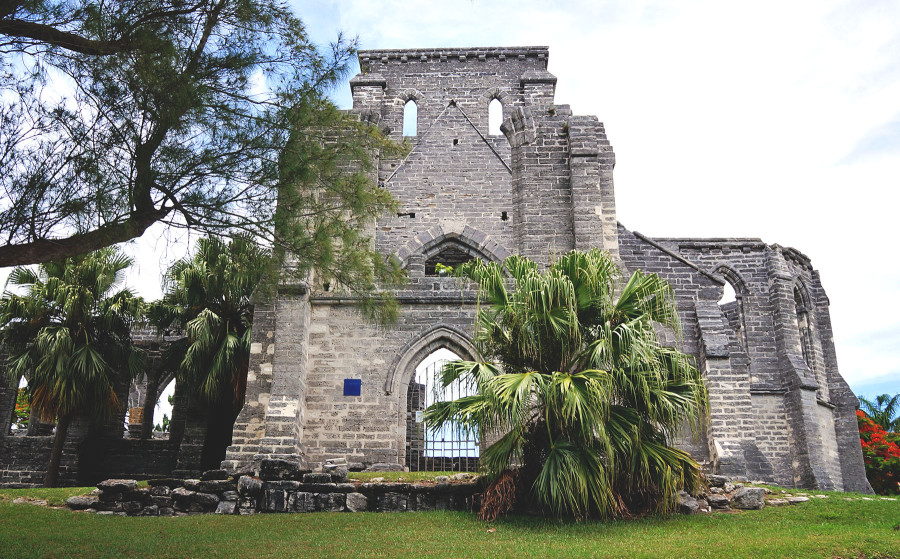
(410, 393)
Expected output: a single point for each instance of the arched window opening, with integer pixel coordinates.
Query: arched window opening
(729, 296)
(24, 416)
(803, 325)
(410, 118)
(162, 413)
(451, 256)
(732, 303)
(495, 117)
(450, 448)
(21, 413)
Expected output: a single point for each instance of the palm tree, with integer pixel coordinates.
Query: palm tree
(209, 295)
(883, 411)
(584, 398)
(69, 334)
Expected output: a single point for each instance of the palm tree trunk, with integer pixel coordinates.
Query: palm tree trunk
(150, 404)
(62, 429)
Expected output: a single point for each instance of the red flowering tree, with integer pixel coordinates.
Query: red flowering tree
(23, 409)
(881, 451)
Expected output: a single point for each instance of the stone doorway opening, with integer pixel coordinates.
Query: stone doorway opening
(450, 448)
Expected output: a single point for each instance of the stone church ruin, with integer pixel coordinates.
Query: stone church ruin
(326, 384)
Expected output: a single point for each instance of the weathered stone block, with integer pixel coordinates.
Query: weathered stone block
(81, 503)
(142, 494)
(215, 486)
(687, 504)
(249, 486)
(338, 474)
(207, 500)
(357, 502)
(117, 485)
(302, 501)
(716, 480)
(288, 485)
(718, 501)
(275, 500)
(226, 507)
(161, 501)
(132, 507)
(150, 510)
(212, 475)
(392, 502)
(330, 502)
(275, 469)
(749, 498)
(109, 496)
(316, 478)
(160, 491)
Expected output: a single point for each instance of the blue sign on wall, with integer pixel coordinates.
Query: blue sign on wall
(352, 386)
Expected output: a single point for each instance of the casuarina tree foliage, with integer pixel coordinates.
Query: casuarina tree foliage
(575, 389)
(69, 335)
(197, 114)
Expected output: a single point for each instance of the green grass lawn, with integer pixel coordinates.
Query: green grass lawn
(830, 527)
(407, 477)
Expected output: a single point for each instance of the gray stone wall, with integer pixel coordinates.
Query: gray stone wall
(8, 392)
(772, 434)
(23, 460)
(780, 334)
(371, 428)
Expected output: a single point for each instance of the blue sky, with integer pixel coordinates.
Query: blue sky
(777, 120)
(771, 119)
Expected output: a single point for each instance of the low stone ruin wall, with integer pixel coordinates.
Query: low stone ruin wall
(221, 494)
(218, 492)
(23, 461)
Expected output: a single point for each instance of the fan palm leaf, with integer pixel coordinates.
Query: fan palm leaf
(883, 410)
(210, 296)
(68, 328)
(584, 397)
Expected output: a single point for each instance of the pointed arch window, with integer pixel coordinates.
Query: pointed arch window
(451, 255)
(450, 252)
(495, 117)
(801, 305)
(410, 118)
(732, 302)
(805, 326)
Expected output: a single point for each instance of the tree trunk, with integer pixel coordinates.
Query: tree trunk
(150, 404)
(36, 427)
(62, 428)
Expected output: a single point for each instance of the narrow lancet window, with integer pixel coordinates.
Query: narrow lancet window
(495, 117)
(410, 118)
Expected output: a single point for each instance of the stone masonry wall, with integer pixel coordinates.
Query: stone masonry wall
(371, 428)
(773, 434)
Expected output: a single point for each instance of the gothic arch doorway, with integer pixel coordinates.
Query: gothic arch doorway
(450, 448)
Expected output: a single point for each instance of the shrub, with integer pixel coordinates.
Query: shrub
(881, 452)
